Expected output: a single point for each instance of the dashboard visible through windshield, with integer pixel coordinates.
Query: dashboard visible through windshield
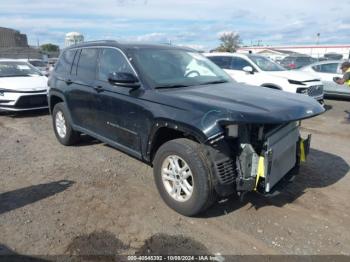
(14, 69)
(168, 68)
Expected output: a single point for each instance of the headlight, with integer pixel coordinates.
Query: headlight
(294, 82)
(232, 130)
(302, 90)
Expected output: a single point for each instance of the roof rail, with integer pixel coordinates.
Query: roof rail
(98, 41)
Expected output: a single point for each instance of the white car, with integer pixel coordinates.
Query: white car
(22, 86)
(38, 64)
(258, 70)
(326, 71)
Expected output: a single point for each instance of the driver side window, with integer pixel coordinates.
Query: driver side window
(111, 60)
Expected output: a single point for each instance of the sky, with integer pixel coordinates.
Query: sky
(192, 23)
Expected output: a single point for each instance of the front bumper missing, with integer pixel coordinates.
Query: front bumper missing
(284, 153)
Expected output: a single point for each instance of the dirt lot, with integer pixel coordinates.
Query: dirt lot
(93, 199)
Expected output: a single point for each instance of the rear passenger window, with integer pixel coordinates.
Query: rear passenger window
(239, 63)
(87, 63)
(111, 60)
(221, 61)
(327, 68)
(65, 63)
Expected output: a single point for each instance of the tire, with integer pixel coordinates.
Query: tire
(60, 120)
(193, 154)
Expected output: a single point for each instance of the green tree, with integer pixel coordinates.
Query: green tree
(230, 41)
(49, 48)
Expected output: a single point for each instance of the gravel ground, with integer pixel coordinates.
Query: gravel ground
(92, 199)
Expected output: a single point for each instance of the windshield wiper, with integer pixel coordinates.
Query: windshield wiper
(170, 86)
(214, 82)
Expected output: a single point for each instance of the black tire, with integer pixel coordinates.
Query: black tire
(203, 194)
(71, 137)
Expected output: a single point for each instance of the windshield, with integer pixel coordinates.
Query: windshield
(177, 68)
(13, 68)
(266, 64)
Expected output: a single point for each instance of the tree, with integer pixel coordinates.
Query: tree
(230, 41)
(49, 48)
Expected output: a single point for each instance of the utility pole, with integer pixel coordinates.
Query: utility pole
(317, 43)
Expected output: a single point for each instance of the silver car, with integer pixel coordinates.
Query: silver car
(326, 71)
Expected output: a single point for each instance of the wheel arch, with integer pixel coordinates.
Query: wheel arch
(164, 131)
(55, 98)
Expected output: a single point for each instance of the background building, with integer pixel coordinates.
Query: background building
(13, 44)
(12, 38)
(73, 38)
(316, 51)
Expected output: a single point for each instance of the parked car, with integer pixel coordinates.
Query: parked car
(326, 71)
(22, 86)
(333, 56)
(39, 64)
(258, 70)
(170, 107)
(297, 61)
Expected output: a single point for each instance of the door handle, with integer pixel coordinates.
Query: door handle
(68, 81)
(98, 88)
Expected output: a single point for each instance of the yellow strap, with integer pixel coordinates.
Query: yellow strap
(348, 81)
(261, 170)
(302, 151)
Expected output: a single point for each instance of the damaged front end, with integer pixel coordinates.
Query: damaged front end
(257, 157)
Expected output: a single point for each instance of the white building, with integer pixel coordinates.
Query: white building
(315, 51)
(73, 38)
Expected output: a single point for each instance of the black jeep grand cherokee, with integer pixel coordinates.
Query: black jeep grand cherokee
(205, 135)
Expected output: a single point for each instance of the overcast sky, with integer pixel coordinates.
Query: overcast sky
(195, 23)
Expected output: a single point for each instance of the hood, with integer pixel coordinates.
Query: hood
(240, 103)
(294, 75)
(24, 83)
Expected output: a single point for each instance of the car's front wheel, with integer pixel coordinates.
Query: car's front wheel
(183, 178)
(62, 127)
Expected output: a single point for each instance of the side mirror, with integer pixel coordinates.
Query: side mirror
(124, 79)
(248, 69)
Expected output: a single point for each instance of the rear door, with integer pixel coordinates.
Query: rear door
(327, 72)
(80, 95)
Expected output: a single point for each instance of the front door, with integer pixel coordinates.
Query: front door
(120, 110)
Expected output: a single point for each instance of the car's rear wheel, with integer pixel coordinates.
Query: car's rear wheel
(62, 127)
(183, 178)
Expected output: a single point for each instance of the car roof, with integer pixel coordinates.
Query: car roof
(127, 45)
(227, 54)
